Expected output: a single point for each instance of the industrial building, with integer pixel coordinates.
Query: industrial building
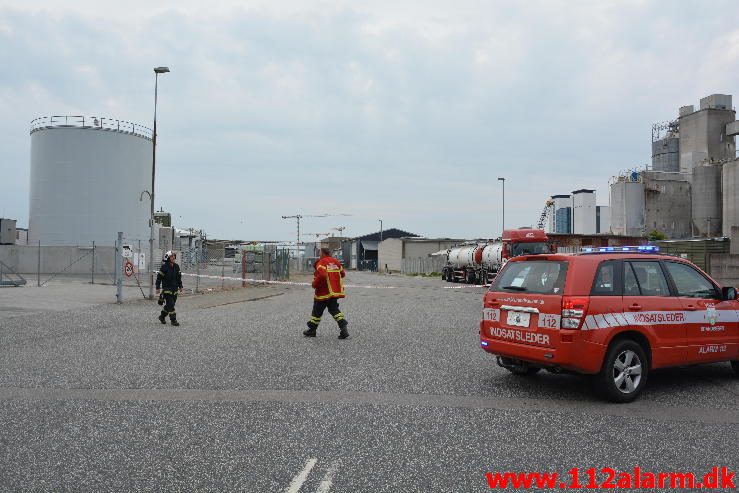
(392, 251)
(90, 179)
(576, 213)
(690, 188)
(362, 252)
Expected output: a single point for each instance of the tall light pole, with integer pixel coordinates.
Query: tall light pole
(157, 71)
(380, 229)
(501, 231)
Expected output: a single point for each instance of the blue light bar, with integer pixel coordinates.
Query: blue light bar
(483, 343)
(610, 249)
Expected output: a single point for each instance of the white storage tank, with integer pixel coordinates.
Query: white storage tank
(707, 203)
(627, 205)
(730, 195)
(87, 179)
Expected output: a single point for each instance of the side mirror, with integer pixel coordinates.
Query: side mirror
(728, 293)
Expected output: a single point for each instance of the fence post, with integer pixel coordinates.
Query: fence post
(223, 274)
(38, 266)
(243, 268)
(119, 269)
(197, 269)
(93, 262)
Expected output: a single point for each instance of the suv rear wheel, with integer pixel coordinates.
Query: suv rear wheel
(624, 372)
(735, 366)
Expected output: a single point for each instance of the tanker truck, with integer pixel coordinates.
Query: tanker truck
(480, 262)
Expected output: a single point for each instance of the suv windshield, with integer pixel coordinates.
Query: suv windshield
(532, 276)
(529, 249)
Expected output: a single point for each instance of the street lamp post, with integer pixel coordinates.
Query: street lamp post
(157, 71)
(380, 229)
(503, 180)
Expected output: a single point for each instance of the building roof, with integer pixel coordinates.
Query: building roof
(583, 190)
(387, 233)
(421, 239)
(561, 196)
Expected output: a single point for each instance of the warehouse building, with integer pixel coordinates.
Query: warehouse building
(361, 252)
(393, 251)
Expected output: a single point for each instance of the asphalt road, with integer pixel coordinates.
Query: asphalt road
(104, 398)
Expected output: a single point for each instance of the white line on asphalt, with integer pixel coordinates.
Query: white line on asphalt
(328, 479)
(301, 477)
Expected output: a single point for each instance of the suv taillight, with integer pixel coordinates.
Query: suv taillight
(574, 309)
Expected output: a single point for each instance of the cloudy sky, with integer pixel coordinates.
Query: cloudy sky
(405, 111)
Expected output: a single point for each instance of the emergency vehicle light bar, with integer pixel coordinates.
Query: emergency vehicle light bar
(618, 249)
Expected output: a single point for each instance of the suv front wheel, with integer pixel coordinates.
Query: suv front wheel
(624, 372)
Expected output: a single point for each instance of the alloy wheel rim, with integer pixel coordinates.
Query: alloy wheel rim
(627, 371)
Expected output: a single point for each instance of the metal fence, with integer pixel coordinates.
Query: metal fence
(41, 264)
(205, 264)
(423, 265)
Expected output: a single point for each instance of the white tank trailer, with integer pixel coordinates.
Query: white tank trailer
(480, 262)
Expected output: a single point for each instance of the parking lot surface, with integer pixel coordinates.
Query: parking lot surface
(101, 397)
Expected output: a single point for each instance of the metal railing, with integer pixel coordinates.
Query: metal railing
(96, 122)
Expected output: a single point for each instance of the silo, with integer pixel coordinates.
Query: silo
(707, 203)
(627, 205)
(730, 196)
(561, 215)
(87, 179)
(666, 154)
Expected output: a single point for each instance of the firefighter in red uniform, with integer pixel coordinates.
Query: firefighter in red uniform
(328, 281)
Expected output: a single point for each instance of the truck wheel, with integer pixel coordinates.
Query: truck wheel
(735, 366)
(470, 278)
(450, 275)
(443, 275)
(624, 372)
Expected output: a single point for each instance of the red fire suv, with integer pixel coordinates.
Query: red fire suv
(612, 312)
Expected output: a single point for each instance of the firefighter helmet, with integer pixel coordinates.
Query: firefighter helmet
(167, 254)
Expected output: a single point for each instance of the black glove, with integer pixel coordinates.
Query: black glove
(160, 301)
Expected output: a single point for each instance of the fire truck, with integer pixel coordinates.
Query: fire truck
(480, 262)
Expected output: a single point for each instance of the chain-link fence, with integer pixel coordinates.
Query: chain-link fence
(205, 264)
(40, 264)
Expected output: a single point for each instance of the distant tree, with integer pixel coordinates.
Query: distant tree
(657, 235)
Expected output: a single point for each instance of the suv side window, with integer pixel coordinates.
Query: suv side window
(645, 279)
(689, 282)
(605, 280)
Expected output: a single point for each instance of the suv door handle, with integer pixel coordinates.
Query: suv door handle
(635, 308)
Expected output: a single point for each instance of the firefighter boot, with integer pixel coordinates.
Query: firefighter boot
(311, 330)
(343, 332)
(163, 318)
(173, 320)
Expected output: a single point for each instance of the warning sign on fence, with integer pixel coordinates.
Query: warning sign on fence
(128, 268)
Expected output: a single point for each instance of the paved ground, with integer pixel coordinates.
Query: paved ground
(103, 398)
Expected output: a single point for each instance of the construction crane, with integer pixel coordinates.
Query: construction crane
(548, 206)
(340, 229)
(317, 235)
(298, 217)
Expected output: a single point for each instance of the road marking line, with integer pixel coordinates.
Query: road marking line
(328, 479)
(298, 480)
